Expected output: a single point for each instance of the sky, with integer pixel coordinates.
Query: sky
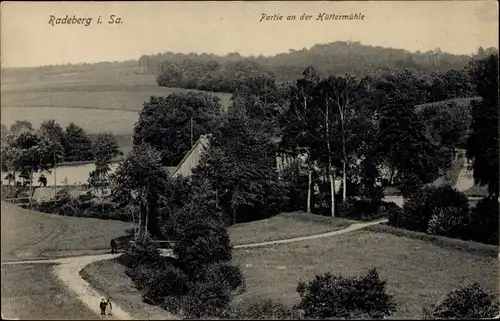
(27, 38)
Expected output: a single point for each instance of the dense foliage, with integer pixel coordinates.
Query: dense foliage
(482, 145)
(467, 302)
(329, 296)
(172, 124)
(422, 205)
(216, 73)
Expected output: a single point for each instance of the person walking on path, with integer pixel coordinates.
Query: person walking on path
(113, 246)
(110, 307)
(103, 306)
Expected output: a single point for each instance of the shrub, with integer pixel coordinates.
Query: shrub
(229, 276)
(367, 209)
(329, 296)
(200, 245)
(206, 299)
(419, 207)
(364, 209)
(466, 302)
(68, 210)
(164, 280)
(144, 252)
(449, 221)
(261, 310)
(484, 225)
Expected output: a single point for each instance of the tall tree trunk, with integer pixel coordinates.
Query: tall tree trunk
(344, 157)
(344, 183)
(140, 219)
(146, 212)
(332, 191)
(328, 148)
(31, 187)
(309, 191)
(391, 176)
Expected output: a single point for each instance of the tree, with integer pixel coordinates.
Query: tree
(294, 122)
(482, 145)
(31, 152)
(21, 125)
(4, 151)
(104, 149)
(171, 124)
(333, 296)
(53, 130)
(240, 167)
(471, 301)
(77, 144)
(404, 145)
(141, 179)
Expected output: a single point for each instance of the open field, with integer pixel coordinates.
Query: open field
(97, 101)
(42, 297)
(90, 91)
(284, 226)
(32, 235)
(418, 272)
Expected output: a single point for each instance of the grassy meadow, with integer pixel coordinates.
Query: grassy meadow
(418, 272)
(107, 100)
(30, 235)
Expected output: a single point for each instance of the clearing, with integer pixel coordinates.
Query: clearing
(96, 101)
(28, 235)
(418, 272)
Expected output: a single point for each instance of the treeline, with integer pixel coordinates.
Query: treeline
(221, 73)
(26, 150)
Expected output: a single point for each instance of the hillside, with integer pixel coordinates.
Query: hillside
(333, 58)
(33, 235)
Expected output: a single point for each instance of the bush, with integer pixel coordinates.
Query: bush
(164, 280)
(467, 302)
(68, 210)
(449, 221)
(206, 299)
(144, 252)
(484, 225)
(200, 245)
(229, 276)
(419, 207)
(263, 309)
(329, 296)
(365, 210)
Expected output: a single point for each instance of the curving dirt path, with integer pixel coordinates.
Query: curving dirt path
(465, 179)
(68, 269)
(350, 228)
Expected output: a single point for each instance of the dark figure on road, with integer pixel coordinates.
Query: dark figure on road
(113, 246)
(103, 306)
(110, 307)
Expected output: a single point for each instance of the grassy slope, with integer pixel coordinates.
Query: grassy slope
(31, 235)
(418, 272)
(283, 226)
(44, 297)
(99, 101)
